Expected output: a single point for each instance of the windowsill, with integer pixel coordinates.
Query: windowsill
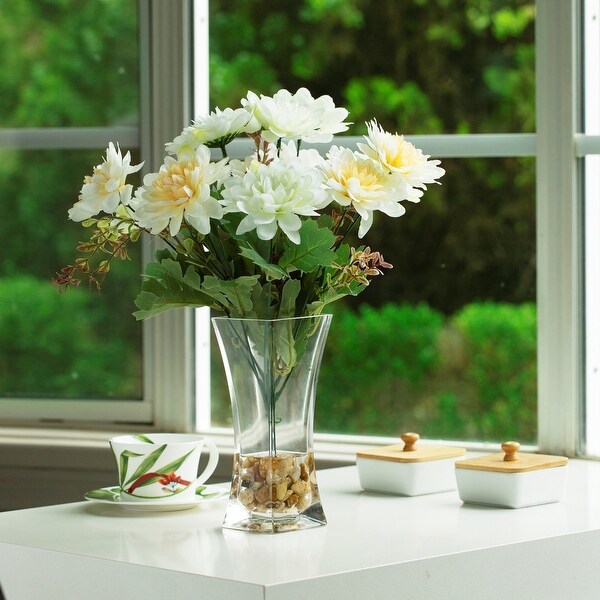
(46, 447)
(53, 465)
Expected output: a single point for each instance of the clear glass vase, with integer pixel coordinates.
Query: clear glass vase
(272, 368)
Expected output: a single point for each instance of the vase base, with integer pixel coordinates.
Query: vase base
(239, 519)
(272, 494)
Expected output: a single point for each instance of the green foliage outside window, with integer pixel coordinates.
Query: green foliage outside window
(447, 343)
(63, 63)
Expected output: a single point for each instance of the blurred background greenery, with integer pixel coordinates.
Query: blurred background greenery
(445, 343)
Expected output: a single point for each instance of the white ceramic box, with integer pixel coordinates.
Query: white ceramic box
(512, 480)
(408, 470)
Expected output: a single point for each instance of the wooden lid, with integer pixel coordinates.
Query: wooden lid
(409, 452)
(509, 461)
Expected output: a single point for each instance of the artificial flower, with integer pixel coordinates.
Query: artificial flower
(214, 130)
(106, 188)
(401, 158)
(361, 182)
(297, 116)
(255, 236)
(273, 196)
(180, 189)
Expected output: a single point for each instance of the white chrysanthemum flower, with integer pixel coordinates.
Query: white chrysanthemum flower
(214, 130)
(297, 117)
(359, 181)
(181, 189)
(273, 195)
(288, 152)
(401, 158)
(106, 188)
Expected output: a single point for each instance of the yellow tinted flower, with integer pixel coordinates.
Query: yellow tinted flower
(401, 158)
(106, 188)
(180, 188)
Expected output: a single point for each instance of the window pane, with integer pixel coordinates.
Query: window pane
(80, 344)
(445, 343)
(68, 63)
(417, 66)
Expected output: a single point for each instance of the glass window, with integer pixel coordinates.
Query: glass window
(419, 67)
(445, 343)
(68, 64)
(63, 65)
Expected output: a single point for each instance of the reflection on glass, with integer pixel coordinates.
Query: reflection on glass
(445, 343)
(80, 344)
(421, 67)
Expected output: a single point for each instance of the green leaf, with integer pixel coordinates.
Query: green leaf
(233, 295)
(285, 351)
(262, 298)
(313, 251)
(143, 438)
(167, 287)
(146, 464)
(289, 294)
(270, 270)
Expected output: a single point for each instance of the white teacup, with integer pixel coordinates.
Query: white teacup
(161, 466)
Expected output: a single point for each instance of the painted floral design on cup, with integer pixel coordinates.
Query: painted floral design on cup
(161, 467)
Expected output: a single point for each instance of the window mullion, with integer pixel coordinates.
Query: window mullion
(559, 288)
(166, 109)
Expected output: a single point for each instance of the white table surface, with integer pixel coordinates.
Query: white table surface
(374, 546)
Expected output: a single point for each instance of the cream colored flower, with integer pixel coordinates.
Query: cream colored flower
(273, 196)
(106, 188)
(180, 189)
(214, 130)
(288, 152)
(361, 182)
(401, 158)
(297, 116)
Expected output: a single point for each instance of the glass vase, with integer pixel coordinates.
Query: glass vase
(272, 367)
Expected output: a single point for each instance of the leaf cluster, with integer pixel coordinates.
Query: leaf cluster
(246, 277)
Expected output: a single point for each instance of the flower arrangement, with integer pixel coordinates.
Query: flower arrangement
(264, 237)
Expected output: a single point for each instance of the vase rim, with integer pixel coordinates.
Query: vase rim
(322, 315)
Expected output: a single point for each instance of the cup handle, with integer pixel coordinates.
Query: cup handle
(213, 459)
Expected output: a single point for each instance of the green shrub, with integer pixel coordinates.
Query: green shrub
(375, 362)
(61, 346)
(399, 367)
(500, 356)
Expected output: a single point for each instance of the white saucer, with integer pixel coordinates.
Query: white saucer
(112, 495)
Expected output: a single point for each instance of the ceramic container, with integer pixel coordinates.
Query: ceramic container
(407, 469)
(510, 479)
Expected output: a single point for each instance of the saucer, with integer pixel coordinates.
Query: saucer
(112, 495)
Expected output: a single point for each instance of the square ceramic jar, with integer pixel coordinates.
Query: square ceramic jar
(511, 480)
(407, 469)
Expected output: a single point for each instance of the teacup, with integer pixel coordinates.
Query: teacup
(161, 466)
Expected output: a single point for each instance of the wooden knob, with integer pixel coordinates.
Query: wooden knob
(510, 450)
(409, 439)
